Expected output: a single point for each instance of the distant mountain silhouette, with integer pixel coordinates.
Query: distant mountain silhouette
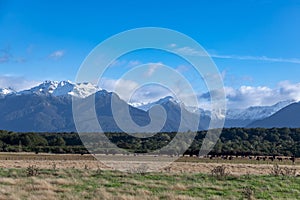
(288, 116)
(48, 113)
(48, 108)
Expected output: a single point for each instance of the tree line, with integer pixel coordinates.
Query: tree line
(232, 141)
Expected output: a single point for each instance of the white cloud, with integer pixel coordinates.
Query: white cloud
(238, 98)
(190, 51)
(57, 54)
(194, 52)
(121, 86)
(289, 90)
(133, 63)
(132, 92)
(150, 93)
(152, 68)
(18, 83)
(182, 68)
(258, 58)
(247, 96)
(125, 63)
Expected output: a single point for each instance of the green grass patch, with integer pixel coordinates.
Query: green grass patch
(89, 184)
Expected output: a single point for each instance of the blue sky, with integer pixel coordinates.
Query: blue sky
(254, 43)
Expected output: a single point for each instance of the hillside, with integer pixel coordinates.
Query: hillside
(287, 117)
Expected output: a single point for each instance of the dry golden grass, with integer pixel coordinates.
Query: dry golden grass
(186, 165)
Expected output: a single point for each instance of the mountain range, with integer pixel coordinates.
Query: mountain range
(288, 116)
(48, 108)
(234, 117)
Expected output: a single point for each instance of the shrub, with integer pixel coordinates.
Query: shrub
(276, 170)
(220, 172)
(284, 171)
(32, 170)
(248, 193)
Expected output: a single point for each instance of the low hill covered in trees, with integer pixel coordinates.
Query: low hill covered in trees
(233, 141)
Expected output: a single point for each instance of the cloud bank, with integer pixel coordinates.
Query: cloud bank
(246, 96)
(17, 83)
(236, 98)
(130, 91)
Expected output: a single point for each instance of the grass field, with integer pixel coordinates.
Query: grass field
(97, 184)
(82, 177)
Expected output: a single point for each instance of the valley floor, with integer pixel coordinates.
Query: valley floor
(30, 176)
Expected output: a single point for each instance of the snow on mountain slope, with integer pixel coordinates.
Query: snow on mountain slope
(286, 117)
(6, 91)
(162, 101)
(251, 113)
(82, 90)
(63, 88)
(257, 112)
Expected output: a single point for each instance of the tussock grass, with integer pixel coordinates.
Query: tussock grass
(90, 184)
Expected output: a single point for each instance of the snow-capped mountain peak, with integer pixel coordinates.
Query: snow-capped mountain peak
(83, 90)
(161, 101)
(257, 112)
(251, 113)
(167, 99)
(6, 91)
(63, 88)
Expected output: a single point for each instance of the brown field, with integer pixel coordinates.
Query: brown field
(237, 166)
